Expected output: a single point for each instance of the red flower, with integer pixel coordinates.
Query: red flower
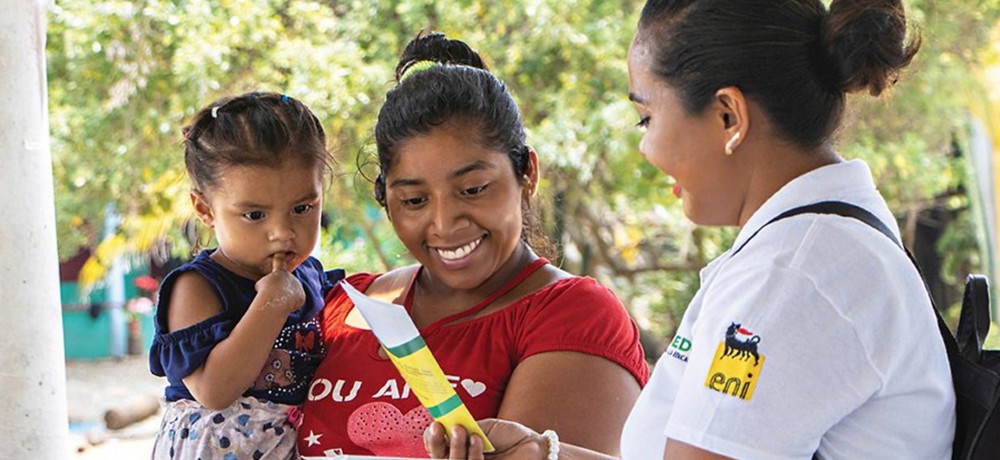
(147, 283)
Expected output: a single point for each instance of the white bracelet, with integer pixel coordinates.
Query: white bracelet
(553, 439)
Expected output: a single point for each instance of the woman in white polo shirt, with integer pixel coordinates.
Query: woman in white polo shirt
(816, 338)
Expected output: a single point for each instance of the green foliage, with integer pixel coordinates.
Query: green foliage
(993, 338)
(124, 76)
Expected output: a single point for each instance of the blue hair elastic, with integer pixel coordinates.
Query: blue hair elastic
(284, 98)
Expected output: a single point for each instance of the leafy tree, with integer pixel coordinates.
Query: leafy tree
(124, 77)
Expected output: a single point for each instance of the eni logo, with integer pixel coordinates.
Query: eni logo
(737, 364)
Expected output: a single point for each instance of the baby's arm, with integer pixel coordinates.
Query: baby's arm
(235, 362)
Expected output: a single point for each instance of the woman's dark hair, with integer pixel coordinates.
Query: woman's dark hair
(794, 57)
(458, 85)
(253, 129)
(440, 79)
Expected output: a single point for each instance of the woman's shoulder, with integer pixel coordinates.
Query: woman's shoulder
(382, 286)
(566, 289)
(392, 285)
(564, 282)
(377, 285)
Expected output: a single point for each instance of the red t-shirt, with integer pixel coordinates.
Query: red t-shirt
(359, 404)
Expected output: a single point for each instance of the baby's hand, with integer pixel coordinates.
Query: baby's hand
(279, 289)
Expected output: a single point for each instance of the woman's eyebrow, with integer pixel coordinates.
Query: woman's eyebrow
(474, 166)
(477, 165)
(403, 182)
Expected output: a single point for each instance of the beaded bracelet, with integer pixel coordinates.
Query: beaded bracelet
(553, 439)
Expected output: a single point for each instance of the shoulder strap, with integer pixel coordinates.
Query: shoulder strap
(974, 321)
(525, 272)
(844, 209)
(839, 208)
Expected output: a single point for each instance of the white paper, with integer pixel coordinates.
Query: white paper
(358, 457)
(390, 322)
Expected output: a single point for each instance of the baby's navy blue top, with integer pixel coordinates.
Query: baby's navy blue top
(297, 350)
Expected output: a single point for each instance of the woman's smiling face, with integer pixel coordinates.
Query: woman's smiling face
(688, 147)
(455, 204)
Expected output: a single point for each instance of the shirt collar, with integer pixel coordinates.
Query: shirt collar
(844, 181)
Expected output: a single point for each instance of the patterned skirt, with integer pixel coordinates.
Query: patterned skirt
(250, 428)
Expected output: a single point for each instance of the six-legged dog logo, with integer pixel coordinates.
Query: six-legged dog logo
(739, 348)
(732, 372)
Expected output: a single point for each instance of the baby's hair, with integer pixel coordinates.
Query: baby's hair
(253, 129)
(794, 57)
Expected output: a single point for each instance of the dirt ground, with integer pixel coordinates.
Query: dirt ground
(96, 386)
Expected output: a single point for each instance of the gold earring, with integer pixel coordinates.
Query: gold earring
(731, 144)
(198, 245)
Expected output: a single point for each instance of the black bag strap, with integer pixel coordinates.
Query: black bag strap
(839, 208)
(974, 322)
(844, 209)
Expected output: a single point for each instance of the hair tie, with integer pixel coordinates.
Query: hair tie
(215, 112)
(416, 67)
(284, 98)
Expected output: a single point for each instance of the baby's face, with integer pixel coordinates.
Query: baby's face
(260, 213)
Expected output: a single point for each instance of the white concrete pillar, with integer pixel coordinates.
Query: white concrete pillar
(115, 282)
(33, 419)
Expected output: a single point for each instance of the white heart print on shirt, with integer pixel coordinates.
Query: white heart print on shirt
(473, 388)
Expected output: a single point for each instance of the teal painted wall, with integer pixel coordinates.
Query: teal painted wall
(90, 338)
(86, 337)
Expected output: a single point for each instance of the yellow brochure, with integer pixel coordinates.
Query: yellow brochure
(406, 348)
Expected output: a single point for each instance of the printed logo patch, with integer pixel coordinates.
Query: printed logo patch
(679, 348)
(737, 364)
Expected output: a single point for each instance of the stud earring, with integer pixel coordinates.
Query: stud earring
(731, 144)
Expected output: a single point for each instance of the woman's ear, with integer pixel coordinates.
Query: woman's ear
(202, 208)
(734, 117)
(531, 173)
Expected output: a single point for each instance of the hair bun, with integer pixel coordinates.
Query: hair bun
(866, 44)
(436, 47)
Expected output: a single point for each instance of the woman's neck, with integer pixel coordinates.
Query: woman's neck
(776, 168)
(433, 300)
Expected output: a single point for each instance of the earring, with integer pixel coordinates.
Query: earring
(198, 245)
(529, 186)
(731, 144)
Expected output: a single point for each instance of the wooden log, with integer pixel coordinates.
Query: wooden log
(132, 410)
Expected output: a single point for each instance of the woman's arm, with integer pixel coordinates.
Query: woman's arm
(515, 441)
(235, 362)
(511, 440)
(676, 450)
(584, 398)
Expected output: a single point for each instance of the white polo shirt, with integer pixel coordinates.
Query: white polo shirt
(817, 337)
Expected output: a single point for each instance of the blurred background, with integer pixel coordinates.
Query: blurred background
(125, 76)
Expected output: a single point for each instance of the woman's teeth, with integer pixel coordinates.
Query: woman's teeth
(460, 252)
